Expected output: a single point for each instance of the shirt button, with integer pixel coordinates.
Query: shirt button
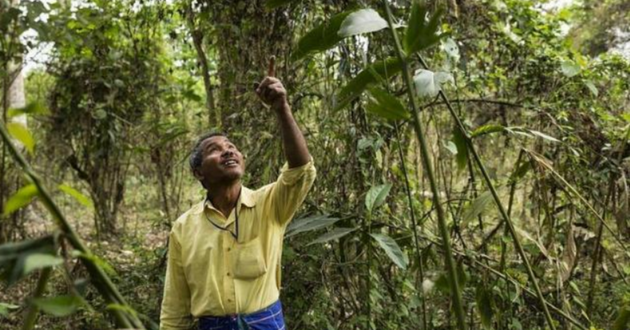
(228, 274)
(229, 249)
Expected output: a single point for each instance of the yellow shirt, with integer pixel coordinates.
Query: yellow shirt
(210, 273)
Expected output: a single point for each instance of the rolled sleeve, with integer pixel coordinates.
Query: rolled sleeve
(175, 312)
(289, 191)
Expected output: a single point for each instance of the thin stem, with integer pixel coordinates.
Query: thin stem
(33, 310)
(426, 159)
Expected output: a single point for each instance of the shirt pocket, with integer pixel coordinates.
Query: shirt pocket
(249, 262)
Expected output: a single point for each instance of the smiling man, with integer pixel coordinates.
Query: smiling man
(225, 253)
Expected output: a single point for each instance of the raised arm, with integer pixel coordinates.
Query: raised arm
(272, 92)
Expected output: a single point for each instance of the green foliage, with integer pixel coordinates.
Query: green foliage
(321, 38)
(386, 105)
(421, 34)
(392, 249)
(374, 73)
(20, 199)
(376, 196)
(59, 306)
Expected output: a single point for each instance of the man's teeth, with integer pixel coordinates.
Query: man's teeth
(230, 162)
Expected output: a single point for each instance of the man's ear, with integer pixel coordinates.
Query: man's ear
(198, 175)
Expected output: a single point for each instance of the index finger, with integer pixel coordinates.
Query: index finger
(271, 70)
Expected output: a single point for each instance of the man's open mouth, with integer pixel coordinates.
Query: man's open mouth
(230, 162)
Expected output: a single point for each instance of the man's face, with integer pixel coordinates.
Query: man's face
(221, 161)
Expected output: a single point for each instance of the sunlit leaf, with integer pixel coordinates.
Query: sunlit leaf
(544, 136)
(591, 87)
(5, 308)
(569, 68)
(486, 129)
(421, 34)
(429, 83)
(392, 249)
(84, 200)
(332, 235)
(386, 105)
(361, 21)
(20, 199)
(59, 306)
(321, 38)
(21, 133)
(40, 260)
(355, 87)
(376, 196)
(35, 108)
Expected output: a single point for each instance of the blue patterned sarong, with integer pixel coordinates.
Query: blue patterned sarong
(269, 318)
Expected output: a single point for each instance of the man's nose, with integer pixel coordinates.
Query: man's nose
(228, 153)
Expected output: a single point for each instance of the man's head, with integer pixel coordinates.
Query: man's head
(215, 159)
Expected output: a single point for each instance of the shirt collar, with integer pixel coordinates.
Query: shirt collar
(247, 199)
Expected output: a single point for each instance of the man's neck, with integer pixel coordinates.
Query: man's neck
(224, 197)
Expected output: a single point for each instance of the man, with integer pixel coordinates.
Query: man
(225, 252)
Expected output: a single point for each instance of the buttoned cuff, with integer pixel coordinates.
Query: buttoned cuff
(289, 176)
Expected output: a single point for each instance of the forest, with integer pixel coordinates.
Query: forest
(473, 157)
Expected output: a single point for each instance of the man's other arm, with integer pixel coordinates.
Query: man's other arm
(175, 312)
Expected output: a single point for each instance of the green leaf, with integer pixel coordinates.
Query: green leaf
(376, 196)
(421, 34)
(96, 261)
(361, 21)
(591, 87)
(4, 308)
(520, 171)
(332, 235)
(392, 249)
(487, 129)
(544, 136)
(321, 38)
(429, 83)
(123, 308)
(40, 260)
(462, 148)
(21, 133)
(20, 199)
(451, 147)
(353, 89)
(569, 68)
(484, 306)
(59, 306)
(84, 200)
(35, 108)
(386, 105)
(476, 207)
(623, 320)
(309, 224)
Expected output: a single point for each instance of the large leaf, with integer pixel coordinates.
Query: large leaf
(14, 257)
(321, 38)
(20, 199)
(361, 21)
(332, 235)
(421, 34)
(353, 89)
(21, 133)
(429, 83)
(40, 260)
(484, 306)
(392, 249)
(376, 196)
(309, 224)
(476, 207)
(569, 68)
(386, 105)
(59, 306)
(4, 308)
(76, 195)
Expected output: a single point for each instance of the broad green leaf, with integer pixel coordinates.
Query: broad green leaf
(462, 148)
(59, 306)
(429, 83)
(353, 89)
(361, 21)
(591, 87)
(376, 196)
(623, 319)
(486, 129)
(421, 34)
(484, 306)
(40, 260)
(386, 105)
(31, 108)
(569, 68)
(332, 235)
(321, 38)
(76, 195)
(476, 207)
(20, 199)
(4, 308)
(309, 224)
(392, 249)
(544, 136)
(21, 133)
